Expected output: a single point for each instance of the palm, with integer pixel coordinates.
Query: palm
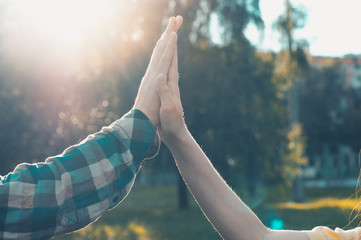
(162, 61)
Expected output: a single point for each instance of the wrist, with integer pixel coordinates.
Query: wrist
(176, 140)
(153, 119)
(149, 107)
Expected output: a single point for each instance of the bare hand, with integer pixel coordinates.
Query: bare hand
(172, 125)
(162, 59)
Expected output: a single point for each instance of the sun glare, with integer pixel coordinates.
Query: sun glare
(58, 26)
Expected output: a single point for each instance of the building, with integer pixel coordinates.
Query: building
(350, 67)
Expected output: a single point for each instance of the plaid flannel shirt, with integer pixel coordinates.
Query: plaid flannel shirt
(71, 190)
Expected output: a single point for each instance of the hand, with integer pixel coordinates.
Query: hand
(171, 111)
(172, 126)
(147, 99)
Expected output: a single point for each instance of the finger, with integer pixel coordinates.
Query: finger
(171, 27)
(168, 54)
(179, 22)
(168, 101)
(173, 76)
(162, 42)
(163, 90)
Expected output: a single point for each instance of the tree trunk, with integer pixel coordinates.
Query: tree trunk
(297, 189)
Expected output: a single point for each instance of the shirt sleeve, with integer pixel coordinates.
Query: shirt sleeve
(325, 233)
(71, 190)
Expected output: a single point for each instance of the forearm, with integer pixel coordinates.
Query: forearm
(73, 189)
(225, 210)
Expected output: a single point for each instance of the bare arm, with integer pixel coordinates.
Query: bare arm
(223, 208)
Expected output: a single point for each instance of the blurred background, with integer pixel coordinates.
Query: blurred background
(271, 91)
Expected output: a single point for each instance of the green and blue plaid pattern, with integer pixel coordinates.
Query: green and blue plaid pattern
(71, 190)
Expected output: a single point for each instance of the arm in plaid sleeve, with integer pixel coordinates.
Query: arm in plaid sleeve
(73, 189)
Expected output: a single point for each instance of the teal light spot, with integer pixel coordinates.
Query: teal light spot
(276, 223)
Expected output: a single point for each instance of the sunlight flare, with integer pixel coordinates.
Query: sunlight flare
(58, 27)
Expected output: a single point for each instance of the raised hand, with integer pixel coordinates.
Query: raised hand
(162, 59)
(172, 125)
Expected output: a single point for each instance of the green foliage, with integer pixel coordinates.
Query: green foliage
(232, 95)
(295, 153)
(322, 94)
(230, 101)
(293, 19)
(14, 125)
(239, 119)
(289, 69)
(349, 130)
(50, 102)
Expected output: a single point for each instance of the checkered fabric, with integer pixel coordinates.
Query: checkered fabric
(71, 190)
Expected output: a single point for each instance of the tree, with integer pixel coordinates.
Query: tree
(349, 129)
(321, 97)
(15, 127)
(230, 101)
(291, 20)
(240, 118)
(62, 97)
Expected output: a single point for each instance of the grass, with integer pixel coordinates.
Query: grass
(149, 214)
(152, 214)
(330, 207)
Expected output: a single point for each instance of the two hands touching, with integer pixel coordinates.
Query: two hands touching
(158, 95)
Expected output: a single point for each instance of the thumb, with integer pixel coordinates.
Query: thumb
(163, 89)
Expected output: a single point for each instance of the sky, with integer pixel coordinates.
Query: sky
(332, 26)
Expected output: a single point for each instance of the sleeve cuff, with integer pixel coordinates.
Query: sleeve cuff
(143, 138)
